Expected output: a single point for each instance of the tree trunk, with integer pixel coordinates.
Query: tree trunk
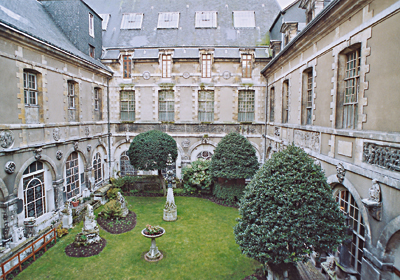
(162, 181)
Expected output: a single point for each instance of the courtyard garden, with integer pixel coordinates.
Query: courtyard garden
(199, 245)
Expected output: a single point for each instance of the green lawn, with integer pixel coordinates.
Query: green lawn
(199, 245)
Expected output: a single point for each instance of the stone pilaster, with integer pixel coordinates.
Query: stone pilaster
(58, 193)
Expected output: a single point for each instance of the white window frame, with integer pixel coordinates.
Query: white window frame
(244, 19)
(72, 165)
(206, 19)
(132, 21)
(167, 20)
(127, 105)
(37, 175)
(206, 106)
(71, 95)
(166, 62)
(91, 25)
(166, 105)
(97, 168)
(247, 60)
(246, 106)
(206, 60)
(30, 89)
(96, 99)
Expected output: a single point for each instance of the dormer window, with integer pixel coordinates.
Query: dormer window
(106, 18)
(168, 20)
(132, 21)
(206, 20)
(244, 19)
(91, 51)
(91, 25)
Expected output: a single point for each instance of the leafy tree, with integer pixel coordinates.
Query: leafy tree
(288, 211)
(234, 158)
(149, 151)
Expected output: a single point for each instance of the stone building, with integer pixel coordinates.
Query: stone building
(332, 90)
(80, 79)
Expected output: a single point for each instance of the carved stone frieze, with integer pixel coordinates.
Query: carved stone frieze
(307, 139)
(382, 156)
(6, 139)
(59, 155)
(226, 75)
(56, 134)
(9, 167)
(87, 131)
(186, 75)
(146, 75)
(340, 172)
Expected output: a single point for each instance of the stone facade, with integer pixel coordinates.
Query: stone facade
(350, 131)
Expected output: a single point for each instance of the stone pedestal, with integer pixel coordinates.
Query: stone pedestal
(170, 209)
(90, 230)
(67, 220)
(17, 236)
(154, 254)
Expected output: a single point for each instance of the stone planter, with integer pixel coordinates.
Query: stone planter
(154, 254)
(75, 203)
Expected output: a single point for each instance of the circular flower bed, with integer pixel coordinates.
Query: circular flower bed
(118, 225)
(85, 251)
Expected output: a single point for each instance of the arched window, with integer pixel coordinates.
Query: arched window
(97, 168)
(126, 167)
(34, 192)
(72, 176)
(349, 206)
(204, 155)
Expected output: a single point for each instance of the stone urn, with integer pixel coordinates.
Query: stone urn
(154, 254)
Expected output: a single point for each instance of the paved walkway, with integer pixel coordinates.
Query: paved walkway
(308, 271)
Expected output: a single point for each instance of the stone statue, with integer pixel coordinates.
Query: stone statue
(375, 191)
(124, 208)
(89, 221)
(90, 230)
(67, 219)
(341, 172)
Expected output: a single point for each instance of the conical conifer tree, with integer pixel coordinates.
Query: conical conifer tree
(288, 211)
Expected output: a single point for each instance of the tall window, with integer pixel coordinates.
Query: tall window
(166, 105)
(127, 105)
(246, 106)
(97, 169)
(206, 67)
(349, 206)
(127, 66)
(72, 101)
(272, 104)
(72, 176)
(34, 191)
(166, 65)
(307, 97)
(206, 105)
(246, 65)
(91, 25)
(285, 101)
(126, 167)
(96, 98)
(352, 87)
(30, 89)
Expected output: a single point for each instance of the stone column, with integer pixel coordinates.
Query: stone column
(9, 217)
(89, 178)
(58, 193)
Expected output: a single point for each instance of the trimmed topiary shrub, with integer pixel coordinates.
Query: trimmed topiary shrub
(196, 177)
(149, 151)
(288, 211)
(234, 158)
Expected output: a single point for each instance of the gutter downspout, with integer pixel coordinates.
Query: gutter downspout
(266, 121)
(108, 128)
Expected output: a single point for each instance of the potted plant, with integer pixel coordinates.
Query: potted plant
(153, 232)
(75, 202)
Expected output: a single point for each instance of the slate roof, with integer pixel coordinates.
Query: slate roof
(186, 35)
(30, 17)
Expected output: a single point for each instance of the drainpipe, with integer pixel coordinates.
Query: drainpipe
(266, 121)
(108, 128)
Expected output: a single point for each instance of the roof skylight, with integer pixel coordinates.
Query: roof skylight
(244, 19)
(106, 18)
(206, 20)
(132, 21)
(168, 20)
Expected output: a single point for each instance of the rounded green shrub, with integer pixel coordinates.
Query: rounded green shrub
(288, 211)
(234, 158)
(196, 176)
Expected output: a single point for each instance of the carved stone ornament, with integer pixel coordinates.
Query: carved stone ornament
(38, 153)
(9, 167)
(382, 156)
(89, 148)
(59, 155)
(76, 146)
(340, 172)
(277, 131)
(6, 139)
(226, 75)
(186, 75)
(87, 131)
(185, 143)
(56, 134)
(307, 139)
(146, 75)
(373, 203)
